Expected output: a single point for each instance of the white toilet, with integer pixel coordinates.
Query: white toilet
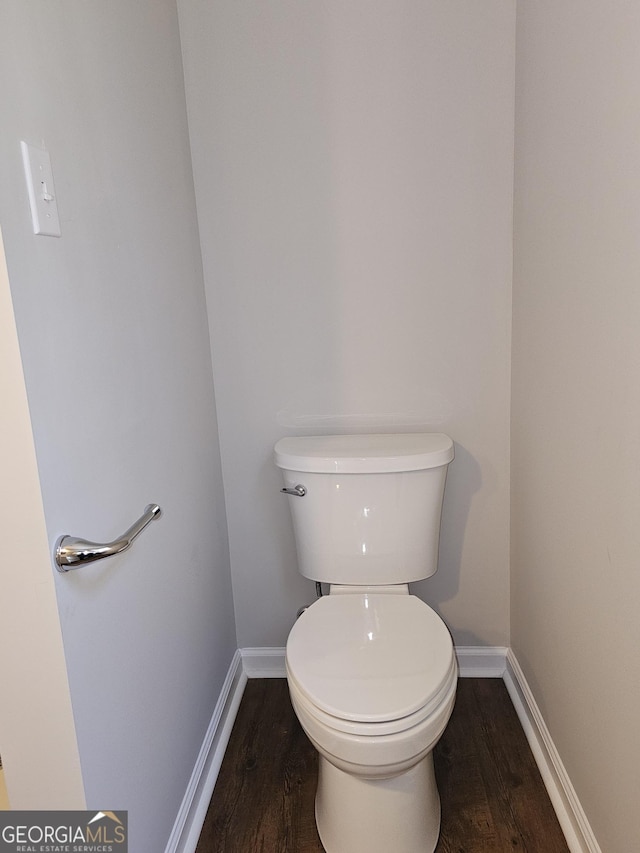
(371, 668)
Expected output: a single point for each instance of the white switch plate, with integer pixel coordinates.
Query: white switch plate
(42, 194)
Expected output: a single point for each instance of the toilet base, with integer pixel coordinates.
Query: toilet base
(357, 815)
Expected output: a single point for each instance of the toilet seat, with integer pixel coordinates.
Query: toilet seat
(372, 664)
(368, 730)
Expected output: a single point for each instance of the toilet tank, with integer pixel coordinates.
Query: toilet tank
(371, 510)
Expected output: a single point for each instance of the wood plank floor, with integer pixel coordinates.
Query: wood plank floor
(493, 799)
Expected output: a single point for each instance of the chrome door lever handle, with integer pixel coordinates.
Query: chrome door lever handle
(296, 491)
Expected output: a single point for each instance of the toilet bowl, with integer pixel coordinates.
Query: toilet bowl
(372, 679)
(371, 668)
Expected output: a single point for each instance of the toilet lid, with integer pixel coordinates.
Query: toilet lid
(369, 658)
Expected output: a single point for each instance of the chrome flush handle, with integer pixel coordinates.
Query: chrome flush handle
(297, 491)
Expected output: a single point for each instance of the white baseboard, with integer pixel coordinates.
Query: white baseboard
(574, 823)
(473, 662)
(263, 662)
(188, 824)
(481, 661)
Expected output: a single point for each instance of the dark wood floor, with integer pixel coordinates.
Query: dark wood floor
(493, 799)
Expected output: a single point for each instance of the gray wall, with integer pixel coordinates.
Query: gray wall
(353, 171)
(353, 166)
(576, 395)
(114, 339)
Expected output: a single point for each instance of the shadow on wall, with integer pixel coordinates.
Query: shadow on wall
(464, 479)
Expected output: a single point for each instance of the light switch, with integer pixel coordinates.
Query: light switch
(42, 194)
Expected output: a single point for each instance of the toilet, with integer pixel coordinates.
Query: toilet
(371, 668)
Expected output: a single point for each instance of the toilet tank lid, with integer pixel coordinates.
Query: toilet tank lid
(364, 454)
